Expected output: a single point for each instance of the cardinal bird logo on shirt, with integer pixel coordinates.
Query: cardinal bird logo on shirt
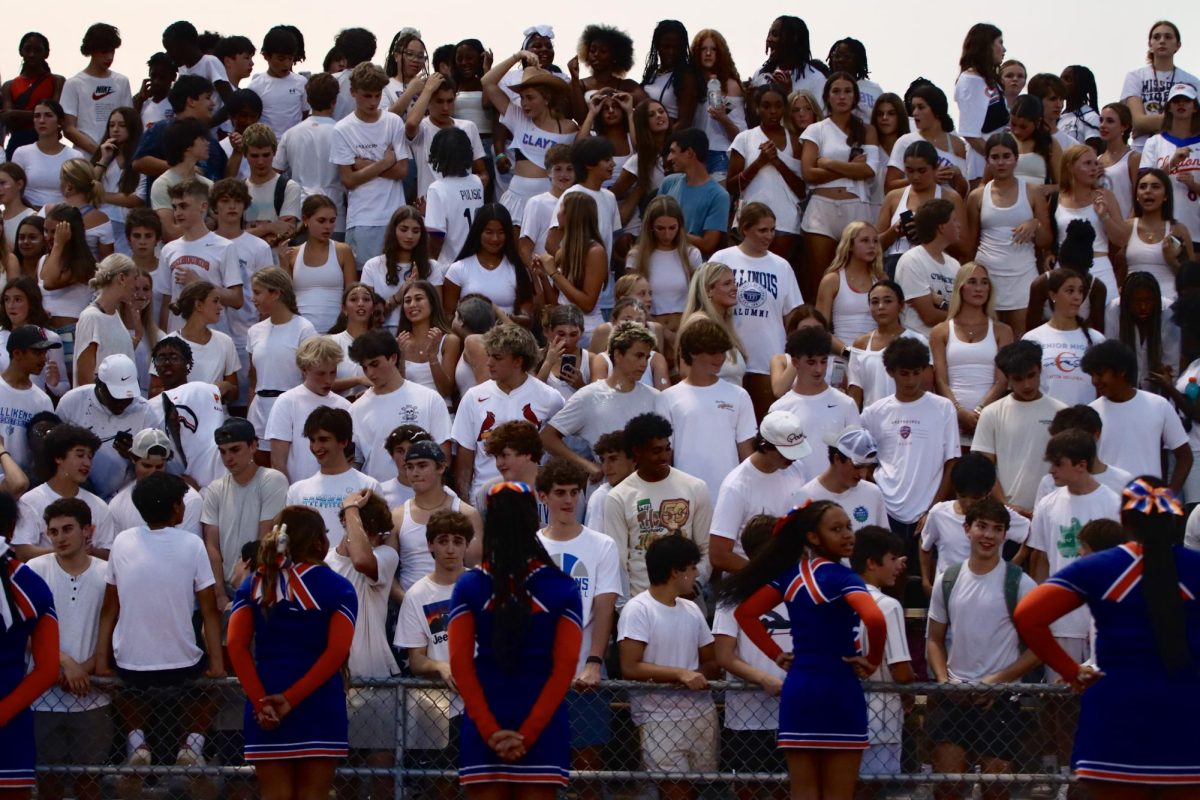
(527, 413)
(489, 422)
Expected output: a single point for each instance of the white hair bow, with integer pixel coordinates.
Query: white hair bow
(540, 30)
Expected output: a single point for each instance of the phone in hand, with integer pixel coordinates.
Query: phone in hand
(568, 362)
(906, 225)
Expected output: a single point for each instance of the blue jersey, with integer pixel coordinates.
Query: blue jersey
(1110, 582)
(31, 601)
(820, 626)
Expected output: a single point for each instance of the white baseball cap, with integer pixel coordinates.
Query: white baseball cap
(1182, 90)
(147, 439)
(784, 430)
(120, 376)
(855, 443)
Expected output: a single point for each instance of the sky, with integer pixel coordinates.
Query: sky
(903, 41)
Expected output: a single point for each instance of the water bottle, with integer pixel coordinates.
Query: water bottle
(716, 98)
(1192, 392)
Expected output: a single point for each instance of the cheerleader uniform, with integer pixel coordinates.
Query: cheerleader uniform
(822, 706)
(29, 614)
(300, 645)
(526, 697)
(1137, 723)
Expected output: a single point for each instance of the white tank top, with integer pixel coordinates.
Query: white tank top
(464, 375)
(660, 89)
(902, 245)
(318, 289)
(1143, 257)
(415, 559)
(997, 252)
(851, 311)
(584, 364)
(1116, 177)
(420, 371)
(469, 106)
(1064, 215)
(1031, 168)
(970, 367)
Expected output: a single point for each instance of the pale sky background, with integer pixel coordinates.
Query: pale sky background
(902, 40)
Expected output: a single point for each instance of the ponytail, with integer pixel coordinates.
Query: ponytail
(788, 544)
(297, 535)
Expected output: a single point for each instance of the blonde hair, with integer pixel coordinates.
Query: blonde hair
(112, 267)
(277, 280)
(318, 350)
(841, 256)
(960, 280)
(813, 103)
(581, 229)
(626, 283)
(698, 301)
(77, 173)
(513, 340)
(259, 135)
(662, 206)
(1066, 181)
(151, 334)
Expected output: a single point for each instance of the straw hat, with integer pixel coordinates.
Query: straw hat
(538, 78)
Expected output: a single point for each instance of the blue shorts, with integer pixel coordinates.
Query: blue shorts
(591, 718)
(366, 241)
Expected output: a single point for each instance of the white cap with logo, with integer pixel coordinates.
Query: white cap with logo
(784, 430)
(120, 376)
(855, 443)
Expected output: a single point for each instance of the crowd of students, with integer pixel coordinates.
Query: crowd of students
(492, 372)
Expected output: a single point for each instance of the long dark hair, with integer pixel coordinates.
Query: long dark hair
(683, 68)
(343, 319)
(793, 40)
(1159, 532)
(511, 549)
(1128, 326)
(490, 212)
(437, 314)
(787, 546)
(391, 248)
(1031, 108)
(649, 152)
(133, 123)
(935, 98)
(1083, 91)
(977, 53)
(33, 296)
(80, 261)
(857, 135)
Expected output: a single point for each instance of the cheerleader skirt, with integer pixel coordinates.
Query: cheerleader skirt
(316, 728)
(546, 761)
(822, 706)
(17, 753)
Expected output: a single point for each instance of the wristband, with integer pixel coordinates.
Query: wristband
(594, 660)
(3, 453)
(500, 156)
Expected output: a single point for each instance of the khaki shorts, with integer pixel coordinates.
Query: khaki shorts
(826, 216)
(681, 745)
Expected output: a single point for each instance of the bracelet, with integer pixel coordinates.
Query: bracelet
(3, 453)
(500, 156)
(594, 660)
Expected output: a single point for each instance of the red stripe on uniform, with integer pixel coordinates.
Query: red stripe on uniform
(1127, 581)
(810, 582)
(1136, 777)
(288, 754)
(512, 777)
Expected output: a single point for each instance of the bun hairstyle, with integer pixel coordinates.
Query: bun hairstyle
(112, 267)
(192, 295)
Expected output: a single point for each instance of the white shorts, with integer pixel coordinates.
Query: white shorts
(681, 745)
(828, 217)
(1012, 292)
(1078, 649)
(881, 759)
(520, 190)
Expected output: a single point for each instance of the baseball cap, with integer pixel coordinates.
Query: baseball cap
(149, 438)
(235, 429)
(119, 376)
(854, 443)
(30, 337)
(1182, 90)
(784, 430)
(425, 448)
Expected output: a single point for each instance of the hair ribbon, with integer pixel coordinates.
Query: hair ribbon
(1140, 496)
(782, 522)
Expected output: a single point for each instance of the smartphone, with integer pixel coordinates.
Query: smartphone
(906, 223)
(567, 364)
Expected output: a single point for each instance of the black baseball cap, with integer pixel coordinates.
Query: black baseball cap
(425, 448)
(30, 337)
(235, 429)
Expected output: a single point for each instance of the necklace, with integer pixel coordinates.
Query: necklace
(441, 503)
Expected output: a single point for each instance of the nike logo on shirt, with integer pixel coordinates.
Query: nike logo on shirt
(102, 92)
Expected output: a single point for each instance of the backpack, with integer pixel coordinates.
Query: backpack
(280, 190)
(1012, 588)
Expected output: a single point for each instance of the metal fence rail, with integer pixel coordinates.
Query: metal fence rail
(403, 739)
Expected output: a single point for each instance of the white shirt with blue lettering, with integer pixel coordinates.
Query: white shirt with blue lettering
(325, 493)
(590, 559)
(767, 293)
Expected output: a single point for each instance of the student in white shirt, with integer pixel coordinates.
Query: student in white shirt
(330, 434)
(541, 210)
(89, 96)
(275, 204)
(304, 149)
(820, 408)
(925, 272)
(190, 411)
(391, 401)
(282, 91)
(20, 398)
(372, 160)
(150, 453)
(511, 394)
(616, 465)
(663, 637)
(437, 98)
(157, 575)
(852, 455)
(453, 197)
(1086, 419)
(317, 358)
(1138, 425)
(765, 483)
(73, 721)
(181, 41)
(214, 355)
(590, 559)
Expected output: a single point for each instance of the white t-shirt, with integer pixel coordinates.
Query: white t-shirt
(669, 278)
(1153, 88)
(1137, 431)
(156, 111)
(262, 201)
(286, 423)
(42, 172)
(593, 516)
(486, 405)
(768, 185)
(767, 293)
(210, 257)
(747, 491)
(77, 603)
(982, 639)
(419, 147)
(370, 654)
(1113, 478)
(832, 142)
(157, 574)
(1158, 151)
(304, 154)
(272, 350)
(372, 203)
(863, 504)
(920, 275)
(210, 362)
(975, 100)
(885, 711)
(423, 622)
(250, 254)
(325, 493)
(284, 100)
(589, 559)
(201, 412)
(673, 636)
(708, 421)
(160, 197)
(498, 284)
(915, 441)
(598, 408)
(106, 331)
(110, 469)
(944, 530)
(91, 100)
(866, 370)
(125, 514)
(376, 415)
(608, 214)
(17, 407)
(1062, 351)
(213, 68)
(238, 510)
(1016, 433)
(537, 218)
(450, 205)
(830, 411)
(31, 527)
(750, 710)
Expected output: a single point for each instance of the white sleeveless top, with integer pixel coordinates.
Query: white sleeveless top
(997, 251)
(318, 289)
(415, 559)
(1031, 168)
(464, 375)
(902, 245)
(851, 311)
(660, 89)
(585, 369)
(1143, 257)
(420, 371)
(970, 368)
(1116, 179)
(1064, 215)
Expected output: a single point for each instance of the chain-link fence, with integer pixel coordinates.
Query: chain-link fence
(626, 738)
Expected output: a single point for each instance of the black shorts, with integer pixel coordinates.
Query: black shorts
(751, 751)
(999, 730)
(143, 680)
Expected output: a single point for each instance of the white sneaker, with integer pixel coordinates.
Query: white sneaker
(130, 786)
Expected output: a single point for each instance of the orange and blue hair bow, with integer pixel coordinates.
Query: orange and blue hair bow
(782, 522)
(1142, 497)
